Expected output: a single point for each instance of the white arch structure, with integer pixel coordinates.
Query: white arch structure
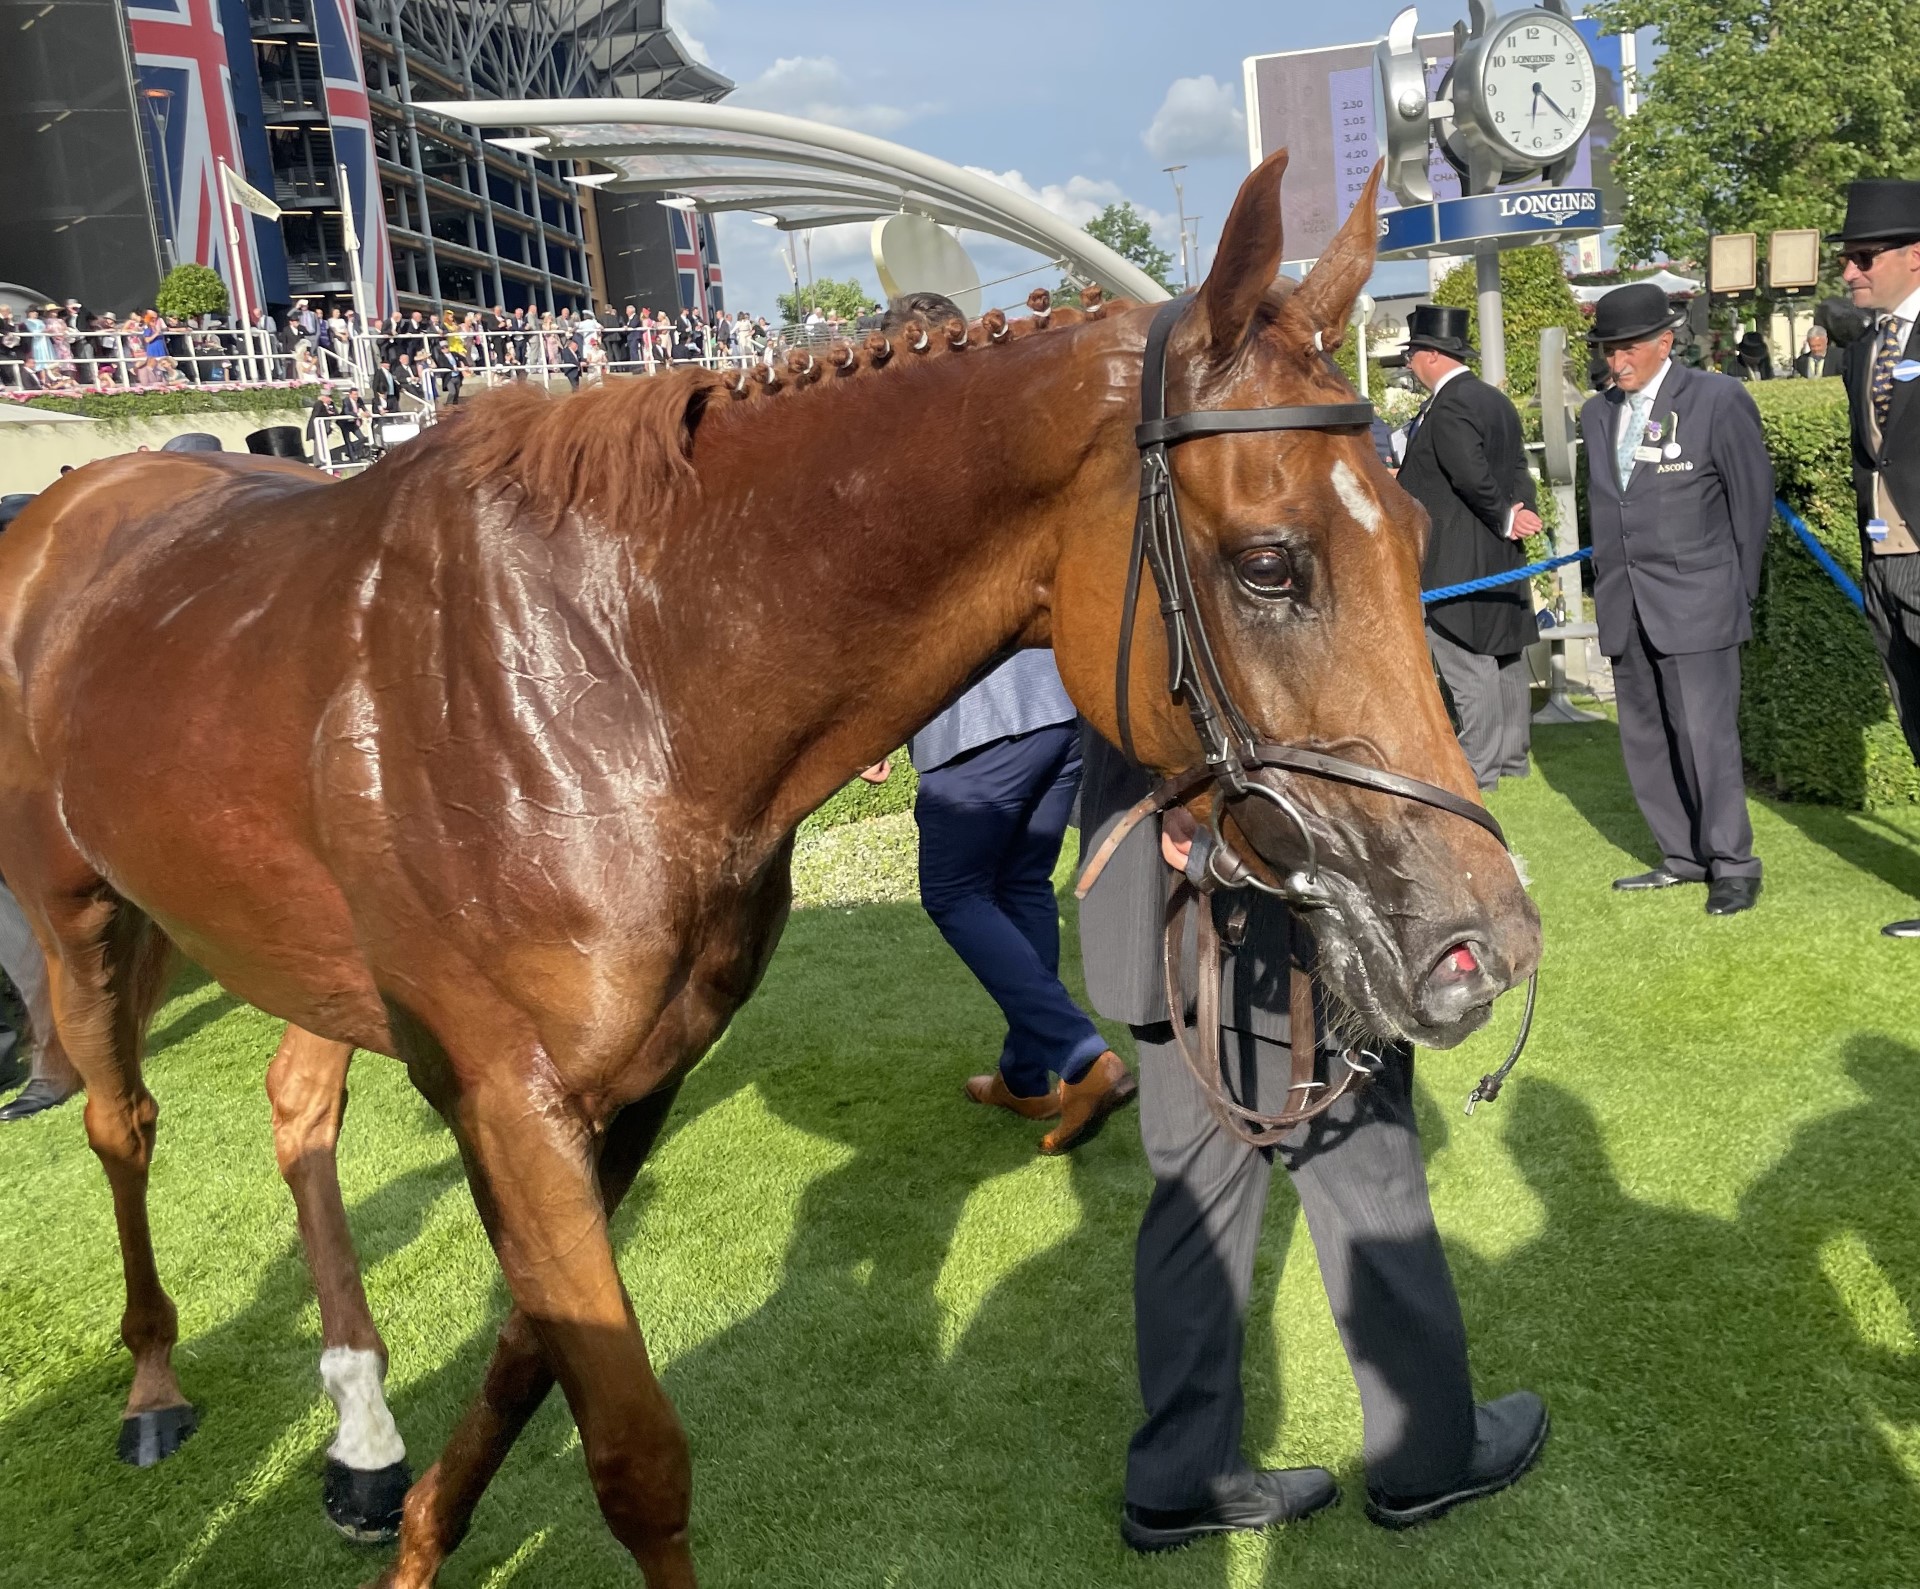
(801, 173)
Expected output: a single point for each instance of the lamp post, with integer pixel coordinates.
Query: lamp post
(157, 105)
(1180, 206)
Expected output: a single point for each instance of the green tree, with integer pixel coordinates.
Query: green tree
(1758, 113)
(190, 290)
(1124, 230)
(1534, 295)
(848, 299)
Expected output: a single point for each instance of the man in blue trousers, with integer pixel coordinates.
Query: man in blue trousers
(999, 770)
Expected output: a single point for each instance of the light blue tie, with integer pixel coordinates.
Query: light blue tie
(1630, 435)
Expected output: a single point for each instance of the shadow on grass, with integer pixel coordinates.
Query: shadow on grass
(1861, 839)
(939, 1393)
(1582, 763)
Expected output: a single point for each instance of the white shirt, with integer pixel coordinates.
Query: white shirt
(1905, 313)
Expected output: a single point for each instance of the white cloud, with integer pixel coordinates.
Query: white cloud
(1198, 118)
(1078, 199)
(683, 16)
(817, 88)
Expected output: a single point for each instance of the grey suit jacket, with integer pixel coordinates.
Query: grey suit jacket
(1122, 918)
(1680, 548)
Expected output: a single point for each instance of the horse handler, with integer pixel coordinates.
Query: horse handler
(1360, 1179)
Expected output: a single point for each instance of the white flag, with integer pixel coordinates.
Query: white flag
(347, 234)
(248, 197)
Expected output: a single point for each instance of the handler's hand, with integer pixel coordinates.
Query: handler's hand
(1526, 522)
(879, 771)
(1177, 829)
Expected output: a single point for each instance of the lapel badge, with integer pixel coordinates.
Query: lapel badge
(1671, 450)
(1654, 432)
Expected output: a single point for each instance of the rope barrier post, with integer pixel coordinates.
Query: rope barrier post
(1560, 440)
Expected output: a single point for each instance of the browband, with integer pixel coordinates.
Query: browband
(1231, 421)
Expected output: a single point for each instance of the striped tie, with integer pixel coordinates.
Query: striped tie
(1880, 386)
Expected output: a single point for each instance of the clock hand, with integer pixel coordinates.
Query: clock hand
(1550, 104)
(1533, 113)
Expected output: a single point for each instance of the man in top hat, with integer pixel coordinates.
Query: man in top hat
(1880, 245)
(1680, 496)
(1466, 464)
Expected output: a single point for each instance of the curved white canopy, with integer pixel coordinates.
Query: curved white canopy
(802, 173)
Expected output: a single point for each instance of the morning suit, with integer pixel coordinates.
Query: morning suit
(999, 769)
(1466, 464)
(1886, 484)
(1357, 1170)
(1676, 566)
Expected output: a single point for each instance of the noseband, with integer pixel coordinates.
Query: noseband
(1234, 760)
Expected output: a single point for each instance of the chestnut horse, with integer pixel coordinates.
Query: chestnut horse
(491, 758)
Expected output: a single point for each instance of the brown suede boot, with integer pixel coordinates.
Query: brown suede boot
(1085, 1104)
(992, 1091)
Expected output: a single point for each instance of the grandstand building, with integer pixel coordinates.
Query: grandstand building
(125, 110)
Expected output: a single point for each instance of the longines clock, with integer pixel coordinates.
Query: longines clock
(1523, 93)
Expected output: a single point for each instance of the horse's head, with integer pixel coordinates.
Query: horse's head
(1305, 559)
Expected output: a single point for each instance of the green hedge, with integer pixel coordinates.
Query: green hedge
(128, 406)
(860, 799)
(1815, 720)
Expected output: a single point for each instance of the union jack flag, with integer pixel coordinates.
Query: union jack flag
(697, 262)
(180, 53)
(351, 118)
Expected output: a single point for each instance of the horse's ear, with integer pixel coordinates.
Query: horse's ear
(1334, 284)
(1247, 262)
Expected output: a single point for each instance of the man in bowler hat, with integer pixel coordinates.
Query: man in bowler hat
(1880, 244)
(1466, 464)
(1362, 1183)
(1680, 497)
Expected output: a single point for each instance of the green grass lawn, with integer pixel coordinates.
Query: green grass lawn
(902, 1344)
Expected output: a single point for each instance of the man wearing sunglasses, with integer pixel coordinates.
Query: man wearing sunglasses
(1880, 244)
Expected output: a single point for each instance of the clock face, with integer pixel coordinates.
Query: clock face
(1536, 85)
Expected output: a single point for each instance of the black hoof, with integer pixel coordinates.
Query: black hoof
(150, 1437)
(364, 1503)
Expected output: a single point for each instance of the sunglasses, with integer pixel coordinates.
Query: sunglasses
(1863, 258)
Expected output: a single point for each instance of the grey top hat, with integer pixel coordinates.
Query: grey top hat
(12, 504)
(1640, 309)
(192, 441)
(1881, 211)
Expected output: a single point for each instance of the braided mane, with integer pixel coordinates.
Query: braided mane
(624, 447)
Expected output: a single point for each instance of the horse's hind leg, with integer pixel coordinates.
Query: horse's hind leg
(440, 1507)
(110, 970)
(367, 1475)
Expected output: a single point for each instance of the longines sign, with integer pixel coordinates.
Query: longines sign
(1526, 216)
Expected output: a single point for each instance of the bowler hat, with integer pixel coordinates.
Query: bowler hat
(1886, 211)
(1435, 326)
(192, 441)
(1640, 309)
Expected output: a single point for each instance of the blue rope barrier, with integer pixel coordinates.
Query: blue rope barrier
(1821, 555)
(1468, 587)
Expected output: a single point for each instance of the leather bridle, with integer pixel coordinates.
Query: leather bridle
(1233, 761)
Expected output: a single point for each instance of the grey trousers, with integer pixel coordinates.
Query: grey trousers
(1363, 1185)
(1494, 708)
(1680, 738)
(1891, 586)
(25, 966)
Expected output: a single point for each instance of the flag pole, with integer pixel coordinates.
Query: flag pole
(247, 369)
(350, 235)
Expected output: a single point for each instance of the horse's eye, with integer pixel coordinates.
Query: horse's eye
(1266, 570)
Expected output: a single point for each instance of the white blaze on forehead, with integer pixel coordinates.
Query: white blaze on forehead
(368, 1437)
(1356, 498)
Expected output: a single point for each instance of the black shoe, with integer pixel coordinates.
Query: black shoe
(1659, 877)
(1251, 1502)
(36, 1096)
(1901, 929)
(1728, 896)
(1509, 1435)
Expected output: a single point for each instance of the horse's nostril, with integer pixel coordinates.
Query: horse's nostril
(1457, 964)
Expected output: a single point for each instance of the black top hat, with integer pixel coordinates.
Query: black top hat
(1444, 330)
(1629, 313)
(1753, 346)
(1880, 212)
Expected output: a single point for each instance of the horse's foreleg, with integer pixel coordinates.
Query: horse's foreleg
(440, 1507)
(367, 1474)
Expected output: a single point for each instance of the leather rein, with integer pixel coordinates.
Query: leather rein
(1233, 761)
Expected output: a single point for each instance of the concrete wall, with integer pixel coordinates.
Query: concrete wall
(31, 453)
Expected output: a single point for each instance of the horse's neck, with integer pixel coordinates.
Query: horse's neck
(913, 536)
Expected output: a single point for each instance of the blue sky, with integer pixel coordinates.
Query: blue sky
(1085, 104)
